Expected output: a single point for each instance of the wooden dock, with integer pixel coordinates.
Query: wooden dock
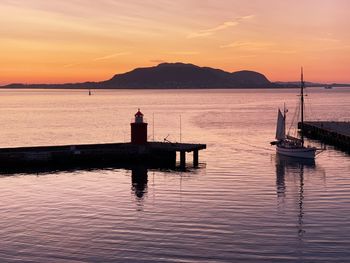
(331, 132)
(153, 154)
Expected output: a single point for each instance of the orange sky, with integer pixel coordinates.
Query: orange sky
(60, 41)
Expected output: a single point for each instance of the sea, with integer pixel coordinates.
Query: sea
(242, 204)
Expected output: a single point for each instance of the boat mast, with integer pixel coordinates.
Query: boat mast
(302, 106)
(284, 118)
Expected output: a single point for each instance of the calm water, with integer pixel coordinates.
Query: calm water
(242, 205)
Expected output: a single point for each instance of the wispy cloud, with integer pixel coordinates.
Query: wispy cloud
(189, 53)
(220, 27)
(106, 57)
(210, 31)
(248, 17)
(342, 47)
(248, 45)
(284, 51)
(157, 61)
(71, 65)
(199, 34)
(111, 56)
(328, 39)
(247, 56)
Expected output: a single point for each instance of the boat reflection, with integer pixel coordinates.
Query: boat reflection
(294, 168)
(290, 166)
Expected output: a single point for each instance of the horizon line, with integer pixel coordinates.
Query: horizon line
(165, 62)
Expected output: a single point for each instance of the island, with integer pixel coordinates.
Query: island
(169, 76)
(177, 76)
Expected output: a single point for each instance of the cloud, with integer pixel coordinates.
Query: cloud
(248, 45)
(285, 51)
(211, 31)
(247, 56)
(184, 53)
(199, 34)
(157, 61)
(98, 59)
(342, 47)
(326, 39)
(248, 17)
(71, 65)
(111, 56)
(222, 26)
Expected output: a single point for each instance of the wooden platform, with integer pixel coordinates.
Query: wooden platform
(162, 154)
(331, 132)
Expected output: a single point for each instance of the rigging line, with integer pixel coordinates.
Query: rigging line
(294, 115)
(311, 114)
(251, 145)
(306, 103)
(298, 116)
(256, 151)
(310, 109)
(254, 146)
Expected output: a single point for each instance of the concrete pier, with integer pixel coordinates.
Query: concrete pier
(331, 132)
(159, 154)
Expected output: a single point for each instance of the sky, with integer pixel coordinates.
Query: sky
(60, 41)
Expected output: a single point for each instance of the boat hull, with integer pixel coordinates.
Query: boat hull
(307, 153)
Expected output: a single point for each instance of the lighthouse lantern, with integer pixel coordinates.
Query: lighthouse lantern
(138, 117)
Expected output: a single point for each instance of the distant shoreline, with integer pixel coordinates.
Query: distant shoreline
(102, 88)
(178, 76)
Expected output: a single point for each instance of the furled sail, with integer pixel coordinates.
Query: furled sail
(281, 127)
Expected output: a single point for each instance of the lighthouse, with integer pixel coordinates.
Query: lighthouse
(138, 129)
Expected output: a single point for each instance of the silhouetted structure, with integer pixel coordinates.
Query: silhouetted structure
(332, 132)
(139, 151)
(138, 129)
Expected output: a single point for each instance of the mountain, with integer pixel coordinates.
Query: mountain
(170, 76)
(180, 75)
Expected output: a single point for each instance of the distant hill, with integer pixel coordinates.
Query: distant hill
(180, 75)
(170, 76)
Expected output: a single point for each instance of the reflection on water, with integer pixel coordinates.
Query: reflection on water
(293, 168)
(139, 179)
(139, 173)
(287, 166)
(223, 212)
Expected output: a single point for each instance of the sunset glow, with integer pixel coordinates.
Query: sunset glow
(83, 40)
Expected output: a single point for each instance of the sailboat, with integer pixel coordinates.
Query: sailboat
(288, 145)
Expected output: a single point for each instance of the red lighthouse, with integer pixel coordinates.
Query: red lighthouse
(138, 129)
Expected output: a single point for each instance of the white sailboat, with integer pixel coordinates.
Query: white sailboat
(288, 145)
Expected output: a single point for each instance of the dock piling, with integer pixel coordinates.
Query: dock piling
(182, 159)
(195, 158)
